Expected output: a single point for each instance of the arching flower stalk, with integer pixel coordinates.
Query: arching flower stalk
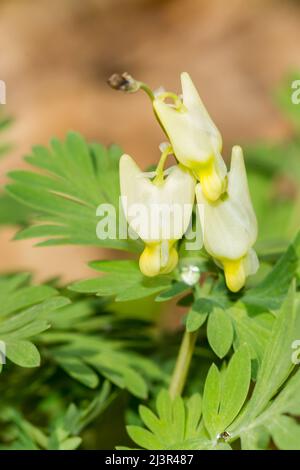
(195, 139)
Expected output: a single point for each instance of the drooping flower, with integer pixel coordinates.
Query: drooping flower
(229, 225)
(158, 210)
(195, 139)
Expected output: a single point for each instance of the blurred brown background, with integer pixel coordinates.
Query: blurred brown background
(56, 56)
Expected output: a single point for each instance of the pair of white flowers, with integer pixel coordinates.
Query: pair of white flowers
(227, 217)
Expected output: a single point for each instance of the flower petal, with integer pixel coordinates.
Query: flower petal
(157, 212)
(189, 141)
(196, 108)
(227, 233)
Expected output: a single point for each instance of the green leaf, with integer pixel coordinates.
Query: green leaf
(256, 439)
(24, 297)
(276, 364)
(5, 122)
(28, 318)
(78, 370)
(10, 283)
(198, 314)
(271, 292)
(124, 281)
(220, 332)
(12, 212)
(288, 399)
(23, 315)
(211, 401)
(71, 443)
(251, 330)
(144, 438)
(285, 433)
(61, 432)
(267, 404)
(194, 411)
(176, 426)
(83, 356)
(78, 178)
(224, 394)
(204, 305)
(144, 288)
(135, 383)
(23, 353)
(176, 289)
(195, 320)
(235, 386)
(27, 331)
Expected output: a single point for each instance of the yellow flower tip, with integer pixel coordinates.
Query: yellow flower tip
(151, 262)
(172, 262)
(235, 275)
(211, 183)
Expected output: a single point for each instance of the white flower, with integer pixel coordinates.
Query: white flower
(230, 227)
(159, 211)
(195, 139)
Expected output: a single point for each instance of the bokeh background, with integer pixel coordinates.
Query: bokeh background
(56, 55)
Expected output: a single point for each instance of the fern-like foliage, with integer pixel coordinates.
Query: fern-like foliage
(176, 426)
(80, 343)
(76, 178)
(224, 414)
(23, 316)
(63, 433)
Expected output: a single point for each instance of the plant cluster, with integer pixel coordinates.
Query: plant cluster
(89, 365)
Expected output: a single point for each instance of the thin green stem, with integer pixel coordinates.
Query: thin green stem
(187, 348)
(158, 180)
(176, 99)
(128, 84)
(183, 362)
